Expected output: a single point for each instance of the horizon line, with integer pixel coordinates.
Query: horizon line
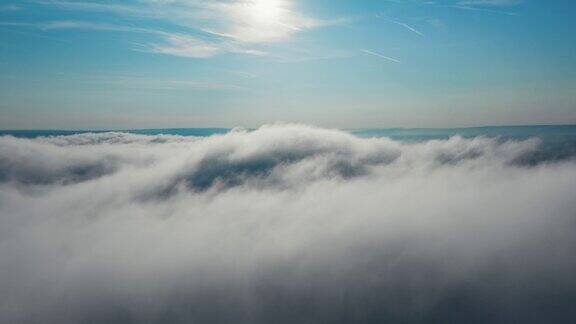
(103, 130)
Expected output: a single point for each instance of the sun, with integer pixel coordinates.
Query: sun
(266, 12)
(263, 20)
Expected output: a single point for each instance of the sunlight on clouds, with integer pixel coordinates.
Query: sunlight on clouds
(191, 47)
(232, 26)
(250, 21)
(259, 21)
(179, 45)
(265, 12)
(238, 27)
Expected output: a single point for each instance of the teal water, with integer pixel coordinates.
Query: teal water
(558, 142)
(519, 132)
(201, 132)
(412, 134)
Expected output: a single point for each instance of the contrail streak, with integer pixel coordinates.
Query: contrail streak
(410, 28)
(380, 56)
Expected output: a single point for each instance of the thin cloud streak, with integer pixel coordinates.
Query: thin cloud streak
(391, 59)
(470, 6)
(174, 44)
(493, 3)
(146, 83)
(408, 27)
(483, 10)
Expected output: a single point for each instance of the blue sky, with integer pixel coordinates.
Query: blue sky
(338, 63)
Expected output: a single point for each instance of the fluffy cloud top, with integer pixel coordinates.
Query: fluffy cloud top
(285, 224)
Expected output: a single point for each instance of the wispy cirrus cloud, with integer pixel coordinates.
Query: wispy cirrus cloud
(408, 27)
(399, 23)
(260, 21)
(240, 27)
(489, 6)
(78, 24)
(388, 58)
(496, 3)
(148, 83)
(192, 47)
(176, 44)
(467, 5)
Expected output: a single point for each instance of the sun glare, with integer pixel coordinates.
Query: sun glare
(266, 11)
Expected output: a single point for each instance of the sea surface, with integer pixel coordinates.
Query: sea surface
(412, 134)
(558, 142)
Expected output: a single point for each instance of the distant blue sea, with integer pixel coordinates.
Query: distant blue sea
(558, 142)
(203, 132)
(508, 132)
(567, 132)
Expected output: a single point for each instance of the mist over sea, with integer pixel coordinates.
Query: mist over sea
(289, 223)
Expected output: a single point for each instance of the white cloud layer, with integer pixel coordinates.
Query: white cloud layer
(285, 224)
